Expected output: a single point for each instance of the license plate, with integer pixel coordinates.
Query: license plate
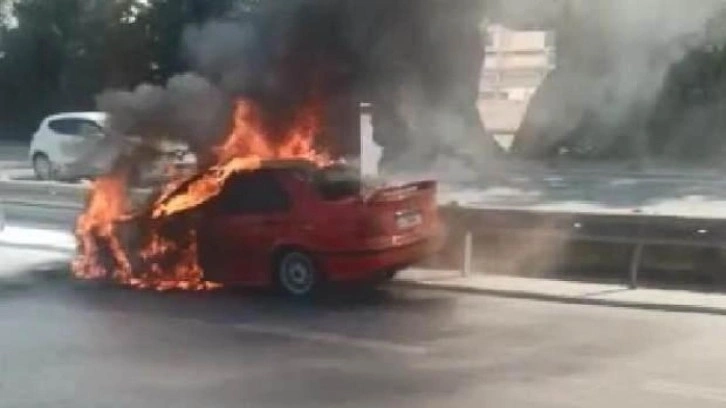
(409, 219)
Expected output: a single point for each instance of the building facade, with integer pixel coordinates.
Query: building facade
(516, 64)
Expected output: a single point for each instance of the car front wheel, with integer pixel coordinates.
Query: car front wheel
(297, 274)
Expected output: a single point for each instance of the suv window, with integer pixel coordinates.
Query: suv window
(254, 193)
(75, 127)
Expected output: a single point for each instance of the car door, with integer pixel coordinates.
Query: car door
(77, 142)
(64, 143)
(242, 227)
(97, 153)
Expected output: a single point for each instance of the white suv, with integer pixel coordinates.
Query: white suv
(75, 145)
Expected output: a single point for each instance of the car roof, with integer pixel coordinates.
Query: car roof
(94, 116)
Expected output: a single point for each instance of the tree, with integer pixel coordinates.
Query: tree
(60, 53)
(688, 120)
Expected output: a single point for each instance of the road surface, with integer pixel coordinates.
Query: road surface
(66, 344)
(71, 344)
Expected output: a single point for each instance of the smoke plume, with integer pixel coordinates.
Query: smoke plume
(227, 53)
(188, 108)
(225, 62)
(277, 57)
(612, 58)
(418, 62)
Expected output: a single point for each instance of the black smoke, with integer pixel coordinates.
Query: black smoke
(417, 61)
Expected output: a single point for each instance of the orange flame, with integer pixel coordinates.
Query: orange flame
(171, 263)
(107, 204)
(247, 146)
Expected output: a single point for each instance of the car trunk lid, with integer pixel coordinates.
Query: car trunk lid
(401, 210)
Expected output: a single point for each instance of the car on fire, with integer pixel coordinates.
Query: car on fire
(297, 226)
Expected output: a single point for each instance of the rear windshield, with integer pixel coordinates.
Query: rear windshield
(338, 182)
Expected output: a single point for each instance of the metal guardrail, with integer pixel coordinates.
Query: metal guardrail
(639, 231)
(52, 193)
(48, 187)
(42, 193)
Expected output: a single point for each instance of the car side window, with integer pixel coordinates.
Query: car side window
(89, 129)
(64, 126)
(76, 127)
(254, 193)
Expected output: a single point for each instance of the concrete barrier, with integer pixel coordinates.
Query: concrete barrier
(50, 193)
(45, 193)
(525, 242)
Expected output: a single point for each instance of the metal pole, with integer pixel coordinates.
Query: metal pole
(635, 265)
(466, 265)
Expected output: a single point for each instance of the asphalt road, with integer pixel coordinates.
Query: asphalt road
(74, 344)
(67, 344)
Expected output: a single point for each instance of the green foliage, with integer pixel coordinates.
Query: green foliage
(56, 55)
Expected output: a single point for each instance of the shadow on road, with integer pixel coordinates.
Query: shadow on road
(338, 306)
(34, 276)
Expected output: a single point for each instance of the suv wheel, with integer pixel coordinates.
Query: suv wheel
(43, 167)
(296, 274)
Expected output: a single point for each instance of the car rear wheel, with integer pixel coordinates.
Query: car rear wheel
(43, 167)
(383, 277)
(297, 274)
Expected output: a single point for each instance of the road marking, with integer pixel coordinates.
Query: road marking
(687, 390)
(332, 338)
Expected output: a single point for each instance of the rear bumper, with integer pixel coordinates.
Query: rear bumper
(369, 263)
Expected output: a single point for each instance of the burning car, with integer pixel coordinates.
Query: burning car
(295, 225)
(268, 210)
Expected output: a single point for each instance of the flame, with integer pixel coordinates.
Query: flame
(168, 260)
(97, 226)
(247, 146)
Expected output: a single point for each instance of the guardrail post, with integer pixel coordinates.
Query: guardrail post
(468, 248)
(635, 265)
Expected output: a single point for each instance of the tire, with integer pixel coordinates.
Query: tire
(384, 277)
(296, 274)
(43, 167)
(389, 275)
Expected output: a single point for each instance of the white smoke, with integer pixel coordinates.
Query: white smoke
(613, 58)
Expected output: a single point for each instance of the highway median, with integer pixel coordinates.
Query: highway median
(52, 194)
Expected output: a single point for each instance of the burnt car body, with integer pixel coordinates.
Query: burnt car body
(288, 224)
(297, 226)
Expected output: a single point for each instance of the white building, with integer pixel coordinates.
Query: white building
(516, 64)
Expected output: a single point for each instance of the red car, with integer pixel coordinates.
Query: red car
(297, 226)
